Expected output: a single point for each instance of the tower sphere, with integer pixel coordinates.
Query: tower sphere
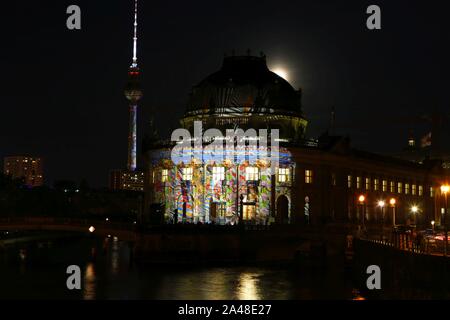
(133, 90)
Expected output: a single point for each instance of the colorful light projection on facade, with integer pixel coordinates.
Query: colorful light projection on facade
(210, 192)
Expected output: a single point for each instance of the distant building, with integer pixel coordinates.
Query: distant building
(115, 179)
(126, 180)
(425, 150)
(24, 167)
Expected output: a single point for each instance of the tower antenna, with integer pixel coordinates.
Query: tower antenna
(135, 34)
(133, 93)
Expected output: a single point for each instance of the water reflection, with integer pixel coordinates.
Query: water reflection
(248, 286)
(107, 274)
(89, 292)
(216, 288)
(115, 255)
(357, 295)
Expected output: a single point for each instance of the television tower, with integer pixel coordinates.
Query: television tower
(133, 93)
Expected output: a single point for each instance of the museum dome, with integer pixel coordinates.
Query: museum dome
(244, 84)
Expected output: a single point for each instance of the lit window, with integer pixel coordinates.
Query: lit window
(222, 209)
(358, 182)
(413, 189)
(367, 183)
(385, 185)
(376, 184)
(284, 174)
(431, 192)
(349, 181)
(399, 187)
(420, 191)
(406, 188)
(218, 173)
(164, 175)
(392, 186)
(187, 174)
(251, 173)
(308, 176)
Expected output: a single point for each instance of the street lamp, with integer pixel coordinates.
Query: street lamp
(361, 200)
(381, 205)
(444, 190)
(432, 225)
(414, 210)
(392, 202)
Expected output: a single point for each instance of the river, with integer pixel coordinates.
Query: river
(37, 270)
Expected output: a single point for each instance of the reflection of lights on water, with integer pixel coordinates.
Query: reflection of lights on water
(248, 287)
(22, 254)
(217, 287)
(115, 257)
(357, 296)
(89, 282)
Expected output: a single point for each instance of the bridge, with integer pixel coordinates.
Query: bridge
(329, 239)
(124, 231)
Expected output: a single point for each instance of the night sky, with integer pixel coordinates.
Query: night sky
(63, 99)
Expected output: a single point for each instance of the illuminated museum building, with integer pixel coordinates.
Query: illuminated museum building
(316, 181)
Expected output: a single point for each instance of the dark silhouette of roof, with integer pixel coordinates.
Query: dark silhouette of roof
(245, 82)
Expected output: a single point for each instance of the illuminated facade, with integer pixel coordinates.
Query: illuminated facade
(315, 182)
(25, 167)
(243, 94)
(213, 192)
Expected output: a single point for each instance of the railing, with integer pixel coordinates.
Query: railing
(433, 244)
